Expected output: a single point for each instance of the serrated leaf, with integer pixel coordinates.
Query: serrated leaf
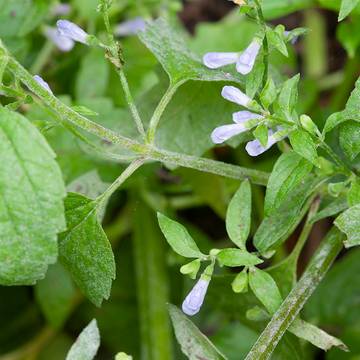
(55, 295)
(269, 93)
(179, 238)
(31, 201)
(86, 345)
(238, 216)
(194, 344)
(265, 289)
(349, 223)
(288, 172)
(237, 257)
(178, 61)
(347, 6)
(276, 227)
(277, 41)
(85, 250)
(349, 139)
(304, 145)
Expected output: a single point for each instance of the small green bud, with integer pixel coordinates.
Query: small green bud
(307, 123)
(240, 283)
(191, 268)
(335, 189)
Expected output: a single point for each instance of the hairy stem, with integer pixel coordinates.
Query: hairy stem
(290, 308)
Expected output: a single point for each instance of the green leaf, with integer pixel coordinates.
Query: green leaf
(238, 216)
(349, 139)
(265, 289)
(276, 40)
(237, 257)
(276, 227)
(353, 196)
(86, 345)
(288, 172)
(92, 78)
(255, 78)
(191, 268)
(55, 295)
(31, 202)
(269, 93)
(85, 250)
(288, 96)
(274, 9)
(351, 112)
(194, 344)
(336, 206)
(178, 238)
(261, 133)
(152, 284)
(240, 283)
(346, 33)
(347, 6)
(304, 145)
(169, 47)
(349, 223)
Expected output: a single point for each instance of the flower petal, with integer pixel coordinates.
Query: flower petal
(247, 59)
(43, 83)
(195, 298)
(130, 27)
(235, 95)
(254, 148)
(225, 132)
(63, 43)
(243, 116)
(214, 60)
(70, 30)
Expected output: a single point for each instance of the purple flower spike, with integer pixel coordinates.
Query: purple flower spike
(43, 83)
(214, 60)
(195, 298)
(72, 31)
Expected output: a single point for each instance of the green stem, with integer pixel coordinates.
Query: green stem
(290, 308)
(154, 121)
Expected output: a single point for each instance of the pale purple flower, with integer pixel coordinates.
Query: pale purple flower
(43, 83)
(235, 95)
(247, 59)
(243, 116)
(130, 27)
(63, 43)
(254, 148)
(72, 31)
(61, 9)
(214, 60)
(195, 298)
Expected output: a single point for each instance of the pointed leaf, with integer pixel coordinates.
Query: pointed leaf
(237, 257)
(347, 6)
(304, 145)
(349, 223)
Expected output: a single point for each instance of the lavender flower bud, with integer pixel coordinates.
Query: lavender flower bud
(247, 59)
(72, 31)
(235, 95)
(43, 83)
(243, 116)
(195, 298)
(214, 60)
(225, 132)
(63, 43)
(130, 27)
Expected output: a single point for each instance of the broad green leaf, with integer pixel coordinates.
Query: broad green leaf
(288, 172)
(261, 133)
(353, 196)
(349, 139)
(276, 227)
(92, 78)
(31, 202)
(268, 93)
(351, 112)
(347, 6)
(288, 96)
(86, 345)
(238, 216)
(237, 257)
(152, 285)
(276, 40)
(336, 206)
(85, 250)
(178, 238)
(349, 223)
(316, 336)
(194, 344)
(55, 295)
(304, 145)
(169, 47)
(265, 289)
